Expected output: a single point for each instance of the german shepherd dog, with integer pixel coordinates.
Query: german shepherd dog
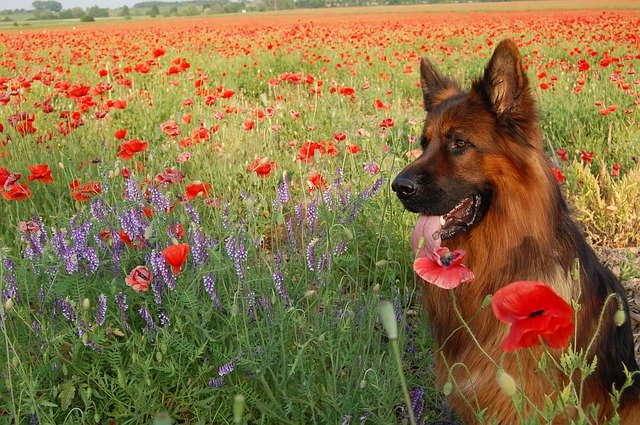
(484, 178)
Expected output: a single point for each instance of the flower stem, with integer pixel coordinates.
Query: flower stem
(396, 353)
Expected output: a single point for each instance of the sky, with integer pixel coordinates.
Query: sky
(68, 4)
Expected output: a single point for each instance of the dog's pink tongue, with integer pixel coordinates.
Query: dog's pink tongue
(427, 227)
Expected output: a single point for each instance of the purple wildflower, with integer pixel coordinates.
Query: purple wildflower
(290, 235)
(98, 208)
(324, 262)
(312, 215)
(41, 299)
(264, 301)
(164, 319)
(91, 256)
(226, 368)
(372, 168)
(237, 252)
(341, 248)
(102, 310)
(225, 215)
(36, 327)
(35, 239)
(210, 288)
(80, 235)
(158, 199)
(147, 318)
(377, 186)
(339, 179)
(417, 402)
(216, 382)
(131, 191)
(299, 216)
(197, 241)
(162, 274)
(11, 287)
(121, 302)
(133, 223)
(327, 197)
(67, 310)
(279, 280)
(284, 190)
(195, 217)
(311, 248)
(251, 303)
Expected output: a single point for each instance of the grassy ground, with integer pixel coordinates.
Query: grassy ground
(281, 134)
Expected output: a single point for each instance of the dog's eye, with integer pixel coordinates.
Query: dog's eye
(459, 144)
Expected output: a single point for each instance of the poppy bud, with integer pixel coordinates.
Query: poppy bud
(8, 305)
(381, 263)
(619, 317)
(86, 304)
(238, 408)
(388, 316)
(447, 388)
(506, 383)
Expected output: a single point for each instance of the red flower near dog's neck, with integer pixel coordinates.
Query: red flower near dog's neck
(536, 313)
(443, 268)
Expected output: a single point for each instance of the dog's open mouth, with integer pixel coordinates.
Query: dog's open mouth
(433, 228)
(461, 217)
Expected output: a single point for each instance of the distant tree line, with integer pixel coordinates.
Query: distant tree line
(51, 9)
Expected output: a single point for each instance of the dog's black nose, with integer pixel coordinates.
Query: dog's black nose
(404, 187)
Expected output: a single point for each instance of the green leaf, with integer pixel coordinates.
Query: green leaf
(67, 394)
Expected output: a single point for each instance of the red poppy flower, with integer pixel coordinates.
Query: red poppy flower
(558, 175)
(176, 255)
(29, 226)
(17, 192)
(127, 149)
(379, 105)
(308, 150)
(120, 134)
(139, 278)
(563, 154)
(7, 178)
(535, 313)
(351, 148)
(316, 181)
(40, 172)
(85, 191)
(615, 170)
(587, 157)
(339, 136)
(170, 175)
(583, 65)
(77, 90)
(248, 125)
(443, 268)
(171, 128)
(387, 123)
(197, 188)
(262, 167)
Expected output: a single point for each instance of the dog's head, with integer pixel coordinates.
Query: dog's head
(468, 141)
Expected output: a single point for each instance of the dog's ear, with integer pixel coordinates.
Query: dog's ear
(435, 87)
(505, 82)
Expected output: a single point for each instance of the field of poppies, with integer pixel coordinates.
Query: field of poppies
(197, 209)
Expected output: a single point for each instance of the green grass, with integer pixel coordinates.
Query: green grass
(323, 357)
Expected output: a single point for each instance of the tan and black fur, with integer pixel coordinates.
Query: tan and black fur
(486, 142)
